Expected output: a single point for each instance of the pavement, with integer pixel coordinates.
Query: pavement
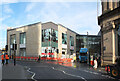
(0, 71)
(11, 72)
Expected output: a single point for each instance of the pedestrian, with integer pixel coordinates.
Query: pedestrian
(7, 58)
(95, 64)
(98, 61)
(74, 58)
(39, 58)
(2, 58)
(14, 57)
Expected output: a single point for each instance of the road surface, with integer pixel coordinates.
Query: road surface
(52, 70)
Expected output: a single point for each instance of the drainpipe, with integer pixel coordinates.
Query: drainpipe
(113, 42)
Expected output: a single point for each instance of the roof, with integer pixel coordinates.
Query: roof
(89, 35)
(52, 23)
(41, 23)
(23, 26)
(49, 22)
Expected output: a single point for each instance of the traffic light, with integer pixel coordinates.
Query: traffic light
(6, 47)
(15, 46)
(57, 50)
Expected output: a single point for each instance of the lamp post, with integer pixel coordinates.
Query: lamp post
(15, 48)
(14, 56)
(57, 53)
(88, 54)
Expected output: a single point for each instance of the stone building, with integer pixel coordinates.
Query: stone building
(109, 22)
(42, 39)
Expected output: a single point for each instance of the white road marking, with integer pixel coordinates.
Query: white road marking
(55, 69)
(37, 66)
(99, 74)
(32, 73)
(91, 72)
(108, 76)
(70, 74)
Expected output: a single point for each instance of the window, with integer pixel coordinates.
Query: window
(46, 34)
(54, 35)
(54, 38)
(119, 3)
(107, 4)
(46, 37)
(64, 38)
(12, 39)
(85, 39)
(71, 41)
(63, 52)
(22, 52)
(94, 38)
(113, 3)
(118, 40)
(49, 38)
(42, 36)
(22, 38)
(118, 45)
(102, 6)
(118, 30)
(116, 4)
(77, 37)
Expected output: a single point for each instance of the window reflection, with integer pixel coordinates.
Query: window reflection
(64, 38)
(71, 41)
(12, 39)
(22, 38)
(49, 40)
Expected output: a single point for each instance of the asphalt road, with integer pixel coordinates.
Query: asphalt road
(49, 70)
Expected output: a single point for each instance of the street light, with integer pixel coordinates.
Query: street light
(88, 54)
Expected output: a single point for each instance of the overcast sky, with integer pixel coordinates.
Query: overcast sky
(79, 16)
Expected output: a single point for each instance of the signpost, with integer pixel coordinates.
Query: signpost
(14, 48)
(57, 54)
